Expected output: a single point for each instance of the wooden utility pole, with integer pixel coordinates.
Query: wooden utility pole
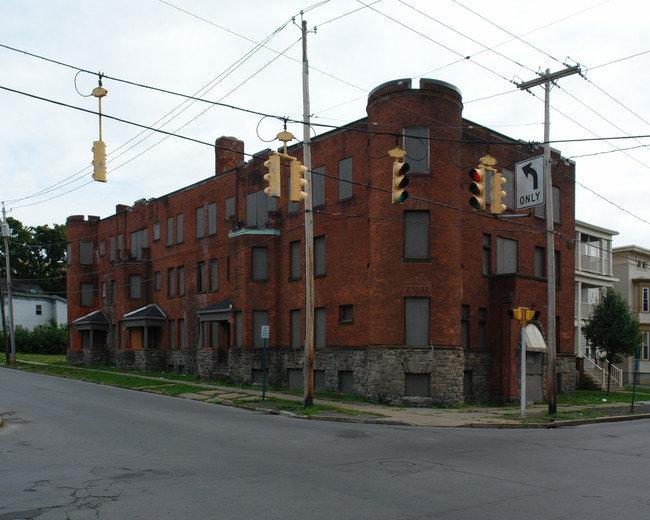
(5, 234)
(546, 79)
(308, 371)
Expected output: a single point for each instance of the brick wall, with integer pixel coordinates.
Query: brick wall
(365, 263)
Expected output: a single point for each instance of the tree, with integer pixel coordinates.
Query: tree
(613, 328)
(38, 254)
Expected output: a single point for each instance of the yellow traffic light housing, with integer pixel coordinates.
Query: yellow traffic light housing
(524, 315)
(497, 194)
(477, 188)
(297, 171)
(400, 181)
(99, 161)
(273, 177)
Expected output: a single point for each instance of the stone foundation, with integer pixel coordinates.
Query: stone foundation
(435, 376)
(378, 374)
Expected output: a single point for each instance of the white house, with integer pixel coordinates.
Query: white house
(632, 268)
(33, 307)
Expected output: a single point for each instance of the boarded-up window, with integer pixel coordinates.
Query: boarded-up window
(86, 294)
(86, 253)
(318, 186)
(212, 218)
(319, 256)
(345, 178)
(170, 231)
(138, 241)
(179, 228)
(416, 321)
(506, 255)
(416, 144)
(258, 205)
(416, 234)
(135, 286)
(295, 266)
(260, 264)
(417, 385)
(111, 249)
(230, 207)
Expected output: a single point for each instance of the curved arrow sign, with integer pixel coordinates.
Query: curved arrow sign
(529, 180)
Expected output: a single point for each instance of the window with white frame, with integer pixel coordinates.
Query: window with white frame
(645, 348)
(645, 303)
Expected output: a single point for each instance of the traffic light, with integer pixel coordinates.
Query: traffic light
(523, 315)
(273, 177)
(497, 194)
(99, 161)
(477, 188)
(297, 181)
(400, 181)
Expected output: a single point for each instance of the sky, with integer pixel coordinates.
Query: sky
(247, 55)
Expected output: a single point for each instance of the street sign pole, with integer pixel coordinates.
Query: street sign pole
(547, 79)
(265, 337)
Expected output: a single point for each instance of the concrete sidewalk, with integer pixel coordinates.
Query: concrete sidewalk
(349, 411)
(373, 413)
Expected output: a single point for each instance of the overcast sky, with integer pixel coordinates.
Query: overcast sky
(247, 54)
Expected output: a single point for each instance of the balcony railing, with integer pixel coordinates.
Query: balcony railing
(591, 263)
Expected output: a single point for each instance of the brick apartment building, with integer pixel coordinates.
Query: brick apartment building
(410, 300)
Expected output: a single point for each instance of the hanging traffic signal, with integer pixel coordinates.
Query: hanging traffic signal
(297, 171)
(400, 181)
(273, 177)
(523, 315)
(99, 161)
(477, 188)
(497, 194)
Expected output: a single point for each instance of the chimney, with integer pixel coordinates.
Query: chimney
(229, 152)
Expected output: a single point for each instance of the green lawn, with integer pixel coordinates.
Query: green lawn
(586, 397)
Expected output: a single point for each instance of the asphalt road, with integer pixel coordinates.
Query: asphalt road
(76, 450)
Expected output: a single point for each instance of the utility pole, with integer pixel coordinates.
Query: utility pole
(308, 371)
(546, 79)
(5, 234)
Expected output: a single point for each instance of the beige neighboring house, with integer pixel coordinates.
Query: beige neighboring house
(593, 274)
(632, 269)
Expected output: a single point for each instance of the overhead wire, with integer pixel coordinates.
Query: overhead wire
(364, 6)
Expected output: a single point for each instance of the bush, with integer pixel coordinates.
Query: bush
(44, 339)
